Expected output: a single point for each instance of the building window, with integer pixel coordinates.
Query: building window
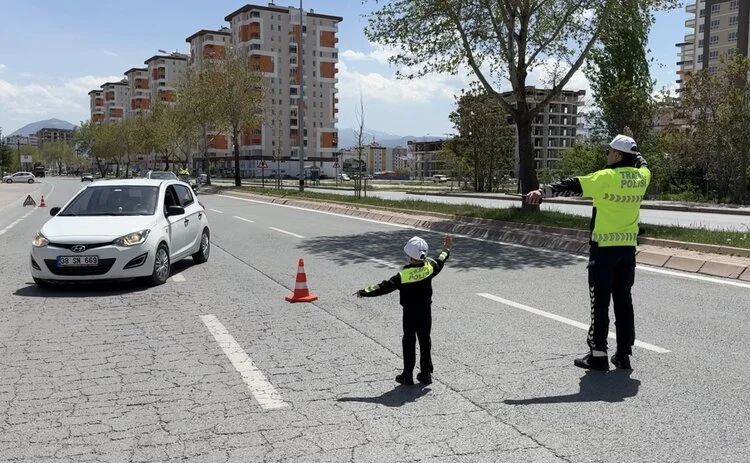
(715, 8)
(255, 14)
(733, 5)
(714, 40)
(702, 13)
(715, 23)
(712, 70)
(730, 52)
(733, 20)
(700, 43)
(700, 58)
(701, 28)
(732, 37)
(713, 55)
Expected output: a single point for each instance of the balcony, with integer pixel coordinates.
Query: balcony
(691, 8)
(690, 23)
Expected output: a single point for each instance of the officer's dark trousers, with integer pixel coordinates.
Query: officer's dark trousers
(417, 325)
(611, 275)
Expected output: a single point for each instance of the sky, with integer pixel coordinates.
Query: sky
(54, 52)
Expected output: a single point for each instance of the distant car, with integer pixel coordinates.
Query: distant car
(344, 177)
(20, 177)
(161, 175)
(121, 229)
(87, 177)
(440, 178)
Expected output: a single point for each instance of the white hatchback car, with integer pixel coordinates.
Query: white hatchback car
(121, 229)
(20, 177)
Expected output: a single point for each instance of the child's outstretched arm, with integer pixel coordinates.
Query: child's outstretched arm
(445, 252)
(385, 287)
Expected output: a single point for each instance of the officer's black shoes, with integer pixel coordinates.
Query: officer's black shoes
(403, 379)
(621, 361)
(424, 378)
(590, 362)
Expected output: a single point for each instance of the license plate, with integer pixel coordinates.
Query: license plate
(77, 261)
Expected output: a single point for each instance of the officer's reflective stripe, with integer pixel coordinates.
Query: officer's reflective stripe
(415, 274)
(623, 198)
(614, 237)
(372, 288)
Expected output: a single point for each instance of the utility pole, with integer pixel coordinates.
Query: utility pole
(301, 130)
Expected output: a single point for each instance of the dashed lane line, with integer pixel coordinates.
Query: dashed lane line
(286, 232)
(567, 321)
(243, 219)
(262, 389)
(216, 210)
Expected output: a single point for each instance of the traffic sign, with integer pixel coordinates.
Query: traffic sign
(29, 201)
(262, 165)
(336, 165)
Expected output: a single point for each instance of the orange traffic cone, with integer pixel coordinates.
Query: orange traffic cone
(301, 294)
(42, 203)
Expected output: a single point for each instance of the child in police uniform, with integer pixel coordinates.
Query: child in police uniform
(414, 283)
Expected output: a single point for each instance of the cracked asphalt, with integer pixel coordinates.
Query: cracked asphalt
(130, 373)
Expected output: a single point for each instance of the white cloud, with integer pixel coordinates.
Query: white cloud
(110, 53)
(68, 98)
(3, 67)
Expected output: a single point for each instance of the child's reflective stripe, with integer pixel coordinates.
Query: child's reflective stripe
(415, 274)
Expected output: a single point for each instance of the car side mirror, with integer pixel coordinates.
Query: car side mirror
(54, 211)
(175, 210)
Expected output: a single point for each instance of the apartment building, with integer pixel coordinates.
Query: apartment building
(139, 89)
(426, 158)
(291, 47)
(716, 28)
(116, 100)
(15, 140)
(377, 158)
(48, 135)
(205, 45)
(402, 159)
(164, 73)
(96, 104)
(555, 127)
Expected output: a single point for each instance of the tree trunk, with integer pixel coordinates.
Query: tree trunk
(526, 173)
(237, 178)
(117, 172)
(127, 169)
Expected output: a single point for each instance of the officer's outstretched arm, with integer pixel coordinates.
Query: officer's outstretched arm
(568, 187)
(384, 287)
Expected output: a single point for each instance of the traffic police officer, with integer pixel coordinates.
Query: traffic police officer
(617, 192)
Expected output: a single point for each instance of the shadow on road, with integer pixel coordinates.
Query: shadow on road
(397, 397)
(96, 288)
(466, 254)
(595, 386)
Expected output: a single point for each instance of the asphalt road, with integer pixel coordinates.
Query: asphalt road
(216, 366)
(648, 216)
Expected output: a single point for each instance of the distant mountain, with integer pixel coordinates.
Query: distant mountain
(348, 138)
(34, 127)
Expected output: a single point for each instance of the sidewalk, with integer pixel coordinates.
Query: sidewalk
(731, 263)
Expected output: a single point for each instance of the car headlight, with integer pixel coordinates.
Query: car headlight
(133, 239)
(39, 240)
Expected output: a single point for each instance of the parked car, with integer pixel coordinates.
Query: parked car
(344, 177)
(20, 177)
(87, 177)
(440, 178)
(121, 229)
(161, 175)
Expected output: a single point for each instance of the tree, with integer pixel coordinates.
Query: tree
(6, 155)
(715, 152)
(198, 109)
(498, 41)
(238, 92)
(59, 153)
(359, 180)
(618, 70)
(91, 138)
(584, 157)
(486, 140)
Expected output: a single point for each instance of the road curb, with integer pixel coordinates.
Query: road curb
(670, 254)
(585, 202)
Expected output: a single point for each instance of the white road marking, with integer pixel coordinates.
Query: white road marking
(514, 245)
(243, 219)
(216, 210)
(178, 278)
(693, 277)
(16, 222)
(567, 321)
(286, 232)
(259, 386)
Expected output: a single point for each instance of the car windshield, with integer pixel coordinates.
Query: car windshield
(163, 176)
(113, 200)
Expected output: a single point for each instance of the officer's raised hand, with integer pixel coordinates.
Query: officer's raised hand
(534, 197)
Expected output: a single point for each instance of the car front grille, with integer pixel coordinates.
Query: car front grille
(101, 269)
(88, 246)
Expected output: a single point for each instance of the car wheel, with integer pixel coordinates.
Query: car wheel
(204, 251)
(31, 180)
(42, 283)
(161, 266)
(9, 181)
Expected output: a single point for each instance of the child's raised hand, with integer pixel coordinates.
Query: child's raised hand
(448, 243)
